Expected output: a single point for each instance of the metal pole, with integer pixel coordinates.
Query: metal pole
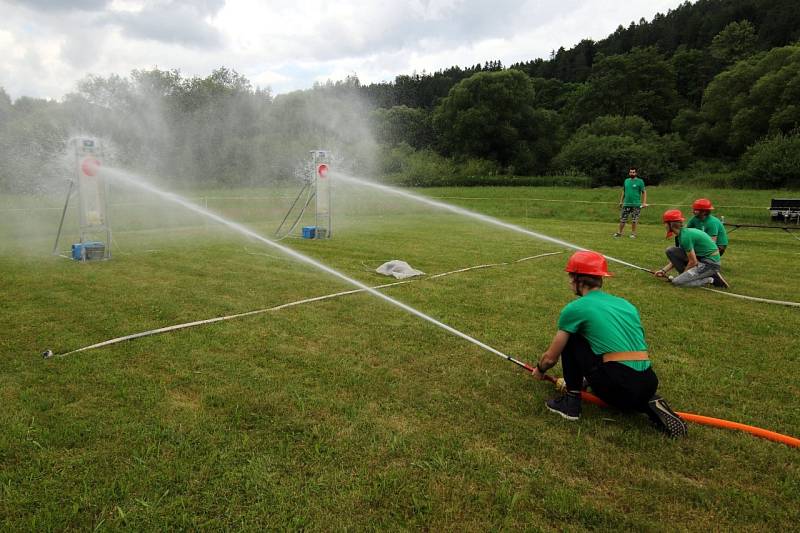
(63, 214)
(280, 226)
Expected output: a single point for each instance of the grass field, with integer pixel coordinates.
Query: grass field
(349, 413)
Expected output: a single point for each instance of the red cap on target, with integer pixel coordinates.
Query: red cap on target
(90, 166)
(322, 170)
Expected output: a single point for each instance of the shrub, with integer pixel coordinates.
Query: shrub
(772, 162)
(404, 166)
(606, 148)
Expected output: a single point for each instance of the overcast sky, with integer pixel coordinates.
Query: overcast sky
(47, 45)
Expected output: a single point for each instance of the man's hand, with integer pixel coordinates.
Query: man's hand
(537, 375)
(645, 205)
(659, 273)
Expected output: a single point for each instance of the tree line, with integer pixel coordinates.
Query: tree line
(709, 87)
(187, 131)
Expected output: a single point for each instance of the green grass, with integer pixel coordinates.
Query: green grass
(349, 413)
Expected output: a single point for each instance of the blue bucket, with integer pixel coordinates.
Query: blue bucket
(84, 251)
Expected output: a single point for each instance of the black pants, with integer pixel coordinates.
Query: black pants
(616, 384)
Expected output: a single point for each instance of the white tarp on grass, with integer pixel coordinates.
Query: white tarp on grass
(398, 269)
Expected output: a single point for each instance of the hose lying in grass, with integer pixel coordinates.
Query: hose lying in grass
(49, 353)
(704, 420)
(753, 298)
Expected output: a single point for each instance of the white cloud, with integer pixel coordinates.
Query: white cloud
(47, 45)
(126, 6)
(268, 78)
(14, 51)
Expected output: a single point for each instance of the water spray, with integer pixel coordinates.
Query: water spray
(472, 214)
(132, 180)
(518, 229)
(559, 383)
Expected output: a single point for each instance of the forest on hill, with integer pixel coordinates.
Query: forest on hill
(710, 88)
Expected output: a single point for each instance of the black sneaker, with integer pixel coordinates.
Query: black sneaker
(568, 405)
(719, 281)
(665, 418)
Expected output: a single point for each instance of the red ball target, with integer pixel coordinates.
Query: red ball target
(90, 166)
(322, 170)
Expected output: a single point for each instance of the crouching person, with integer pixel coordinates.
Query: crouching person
(600, 340)
(695, 255)
(708, 223)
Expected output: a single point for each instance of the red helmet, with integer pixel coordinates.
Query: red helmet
(702, 204)
(589, 263)
(672, 215)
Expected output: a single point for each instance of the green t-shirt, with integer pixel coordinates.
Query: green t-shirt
(712, 226)
(608, 323)
(633, 188)
(693, 239)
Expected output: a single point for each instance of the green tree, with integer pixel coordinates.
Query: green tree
(552, 93)
(640, 82)
(35, 130)
(491, 115)
(402, 124)
(608, 146)
(694, 70)
(5, 106)
(755, 97)
(736, 41)
(772, 162)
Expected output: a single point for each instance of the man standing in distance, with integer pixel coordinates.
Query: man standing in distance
(632, 199)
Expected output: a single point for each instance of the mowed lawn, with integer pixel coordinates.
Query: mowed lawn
(349, 413)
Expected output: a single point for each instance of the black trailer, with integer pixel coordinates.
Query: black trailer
(785, 209)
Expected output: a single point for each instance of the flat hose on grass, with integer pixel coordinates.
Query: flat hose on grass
(49, 353)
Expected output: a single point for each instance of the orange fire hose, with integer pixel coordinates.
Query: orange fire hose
(708, 421)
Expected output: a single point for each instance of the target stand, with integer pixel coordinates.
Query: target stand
(92, 194)
(316, 188)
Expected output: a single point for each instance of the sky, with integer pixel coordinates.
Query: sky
(46, 46)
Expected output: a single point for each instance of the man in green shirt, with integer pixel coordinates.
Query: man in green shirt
(694, 255)
(632, 199)
(600, 339)
(711, 225)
